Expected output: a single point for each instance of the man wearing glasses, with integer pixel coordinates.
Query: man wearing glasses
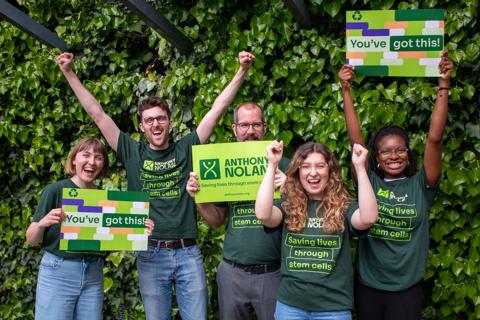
(161, 167)
(249, 274)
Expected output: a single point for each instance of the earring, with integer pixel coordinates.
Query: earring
(378, 165)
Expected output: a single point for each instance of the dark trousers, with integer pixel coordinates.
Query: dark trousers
(374, 304)
(242, 294)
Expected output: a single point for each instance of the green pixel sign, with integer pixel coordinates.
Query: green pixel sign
(229, 171)
(395, 43)
(104, 220)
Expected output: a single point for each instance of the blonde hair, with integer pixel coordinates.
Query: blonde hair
(336, 196)
(82, 145)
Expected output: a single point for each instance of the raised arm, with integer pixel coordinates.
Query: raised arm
(213, 215)
(265, 211)
(346, 75)
(223, 101)
(366, 215)
(106, 125)
(432, 159)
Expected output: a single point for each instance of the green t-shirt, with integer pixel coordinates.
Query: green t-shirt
(393, 256)
(164, 175)
(317, 271)
(247, 241)
(51, 198)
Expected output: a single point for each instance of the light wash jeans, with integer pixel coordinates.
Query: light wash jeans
(159, 270)
(286, 312)
(69, 288)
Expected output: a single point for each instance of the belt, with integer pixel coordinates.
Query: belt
(254, 268)
(171, 244)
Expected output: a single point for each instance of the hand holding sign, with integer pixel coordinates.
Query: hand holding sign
(192, 185)
(346, 76)
(149, 224)
(445, 66)
(55, 216)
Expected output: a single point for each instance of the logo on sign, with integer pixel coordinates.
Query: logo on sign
(210, 169)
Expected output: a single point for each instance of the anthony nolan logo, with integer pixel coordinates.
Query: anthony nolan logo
(148, 165)
(209, 169)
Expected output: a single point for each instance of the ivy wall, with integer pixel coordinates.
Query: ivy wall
(294, 78)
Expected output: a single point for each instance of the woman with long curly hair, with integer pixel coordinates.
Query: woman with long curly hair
(319, 217)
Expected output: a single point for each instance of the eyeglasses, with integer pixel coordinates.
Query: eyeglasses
(244, 126)
(400, 151)
(160, 119)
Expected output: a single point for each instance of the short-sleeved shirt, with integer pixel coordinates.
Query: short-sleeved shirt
(247, 241)
(51, 198)
(164, 175)
(317, 271)
(393, 256)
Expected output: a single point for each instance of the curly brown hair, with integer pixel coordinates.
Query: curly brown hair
(336, 196)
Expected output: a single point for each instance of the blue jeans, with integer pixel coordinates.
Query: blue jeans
(286, 312)
(69, 288)
(160, 269)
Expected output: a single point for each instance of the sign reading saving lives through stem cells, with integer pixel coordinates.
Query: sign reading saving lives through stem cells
(229, 171)
(396, 43)
(101, 220)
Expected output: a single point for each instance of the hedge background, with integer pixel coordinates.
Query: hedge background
(120, 59)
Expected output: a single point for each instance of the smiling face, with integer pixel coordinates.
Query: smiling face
(249, 124)
(392, 156)
(314, 173)
(88, 165)
(156, 126)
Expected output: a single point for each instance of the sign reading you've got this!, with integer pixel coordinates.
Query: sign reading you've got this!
(229, 171)
(103, 220)
(395, 43)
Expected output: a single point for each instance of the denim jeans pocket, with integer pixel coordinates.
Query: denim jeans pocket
(147, 255)
(51, 261)
(194, 251)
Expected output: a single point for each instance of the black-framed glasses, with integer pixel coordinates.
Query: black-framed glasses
(160, 119)
(387, 152)
(244, 126)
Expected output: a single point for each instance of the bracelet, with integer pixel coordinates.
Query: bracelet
(443, 88)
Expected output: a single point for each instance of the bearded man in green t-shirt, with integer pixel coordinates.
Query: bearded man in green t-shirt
(249, 275)
(161, 167)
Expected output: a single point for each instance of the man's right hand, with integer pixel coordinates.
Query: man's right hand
(246, 60)
(65, 61)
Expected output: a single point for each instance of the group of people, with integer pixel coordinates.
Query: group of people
(296, 264)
